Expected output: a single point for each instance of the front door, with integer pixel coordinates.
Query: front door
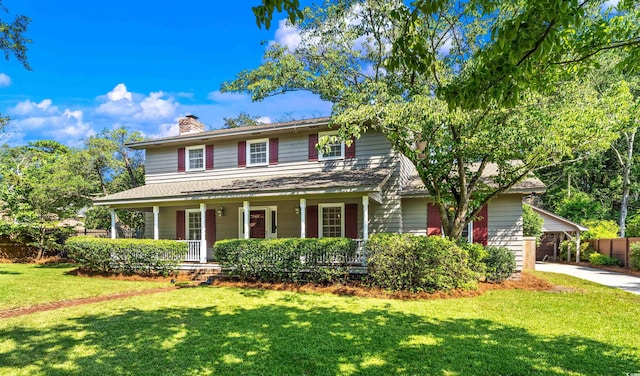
(257, 223)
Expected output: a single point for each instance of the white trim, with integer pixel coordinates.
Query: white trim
(268, 223)
(326, 134)
(331, 205)
(156, 228)
(365, 218)
(303, 218)
(186, 222)
(248, 154)
(187, 160)
(469, 232)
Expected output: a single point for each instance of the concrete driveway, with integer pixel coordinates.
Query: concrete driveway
(618, 280)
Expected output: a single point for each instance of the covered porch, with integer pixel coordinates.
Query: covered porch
(303, 207)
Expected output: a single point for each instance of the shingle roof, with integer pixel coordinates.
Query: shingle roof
(335, 181)
(232, 132)
(531, 184)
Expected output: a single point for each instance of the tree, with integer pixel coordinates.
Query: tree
(242, 120)
(531, 222)
(456, 86)
(42, 183)
(118, 168)
(13, 42)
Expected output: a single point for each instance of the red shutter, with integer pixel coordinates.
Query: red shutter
(273, 151)
(481, 227)
(350, 151)
(180, 225)
(313, 152)
(351, 221)
(312, 222)
(181, 160)
(209, 157)
(434, 225)
(210, 217)
(242, 153)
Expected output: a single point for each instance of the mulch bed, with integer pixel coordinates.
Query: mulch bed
(526, 282)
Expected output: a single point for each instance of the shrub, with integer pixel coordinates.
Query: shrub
(322, 260)
(570, 246)
(531, 222)
(142, 256)
(501, 264)
(477, 253)
(417, 263)
(634, 256)
(601, 229)
(599, 259)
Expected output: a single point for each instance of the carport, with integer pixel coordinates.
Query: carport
(556, 229)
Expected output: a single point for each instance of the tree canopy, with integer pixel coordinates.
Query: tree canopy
(457, 86)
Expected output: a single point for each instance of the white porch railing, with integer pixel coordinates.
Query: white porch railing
(193, 254)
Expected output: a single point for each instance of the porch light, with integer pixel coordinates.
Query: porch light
(221, 211)
(297, 210)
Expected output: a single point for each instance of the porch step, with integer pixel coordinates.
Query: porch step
(200, 272)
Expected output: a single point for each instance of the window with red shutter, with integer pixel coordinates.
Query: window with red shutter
(181, 160)
(481, 227)
(313, 152)
(273, 151)
(242, 154)
(180, 225)
(434, 224)
(209, 157)
(211, 227)
(351, 221)
(312, 221)
(350, 151)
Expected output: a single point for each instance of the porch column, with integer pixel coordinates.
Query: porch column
(203, 233)
(156, 230)
(365, 217)
(303, 218)
(113, 223)
(577, 246)
(246, 208)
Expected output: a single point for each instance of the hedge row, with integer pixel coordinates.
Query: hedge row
(142, 256)
(323, 260)
(402, 262)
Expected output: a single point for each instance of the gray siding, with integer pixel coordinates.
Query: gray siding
(414, 216)
(505, 224)
(372, 151)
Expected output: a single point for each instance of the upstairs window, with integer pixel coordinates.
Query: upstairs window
(335, 150)
(195, 158)
(258, 152)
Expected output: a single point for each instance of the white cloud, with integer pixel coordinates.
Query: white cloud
(264, 120)
(67, 127)
(154, 107)
(27, 107)
(287, 35)
(121, 104)
(119, 92)
(166, 130)
(5, 80)
(609, 4)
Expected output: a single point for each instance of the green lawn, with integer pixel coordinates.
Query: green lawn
(23, 285)
(226, 331)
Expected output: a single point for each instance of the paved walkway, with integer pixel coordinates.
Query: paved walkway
(612, 279)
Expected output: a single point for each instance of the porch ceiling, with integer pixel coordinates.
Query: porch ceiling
(349, 181)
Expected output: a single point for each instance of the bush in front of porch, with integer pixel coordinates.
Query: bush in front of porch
(404, 262)
(325, 260)
(140, 256)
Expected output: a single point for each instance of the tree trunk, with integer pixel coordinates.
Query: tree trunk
(627, 163)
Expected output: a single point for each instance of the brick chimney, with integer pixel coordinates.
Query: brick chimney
(190, 124)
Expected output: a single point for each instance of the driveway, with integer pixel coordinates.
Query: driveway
(612, 279)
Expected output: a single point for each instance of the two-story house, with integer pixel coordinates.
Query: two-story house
(270, 181)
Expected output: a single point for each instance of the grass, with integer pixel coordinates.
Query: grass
(227, 331)
(23, 285)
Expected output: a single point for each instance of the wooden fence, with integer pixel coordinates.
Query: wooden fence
(618, 248)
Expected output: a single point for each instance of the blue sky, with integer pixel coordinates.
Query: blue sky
(143, 65)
